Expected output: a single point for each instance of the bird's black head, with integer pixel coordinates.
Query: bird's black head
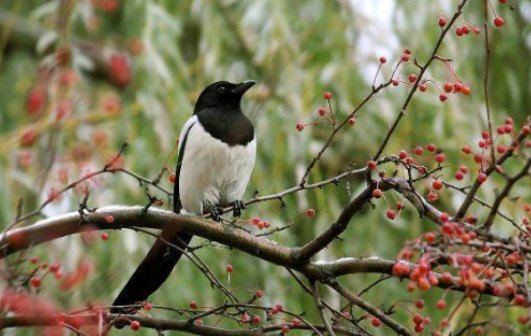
(222, 93)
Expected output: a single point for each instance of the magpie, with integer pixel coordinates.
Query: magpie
(216, 155)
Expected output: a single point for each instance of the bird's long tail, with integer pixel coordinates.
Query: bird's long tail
(154, 269)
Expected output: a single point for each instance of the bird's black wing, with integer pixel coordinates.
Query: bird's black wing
(161, 258)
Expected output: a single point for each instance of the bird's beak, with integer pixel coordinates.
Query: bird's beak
(243, 87)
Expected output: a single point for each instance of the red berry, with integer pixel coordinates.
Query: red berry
(459, 31)
(440, 157)
(419, 328)
(431, 148)
(322, 111)
(526, 130)
(430, 237)
(256, 319)
(442, 21)
(383, 59)
(476, 30)
(310, 212)
(423, 87)
(104, 236)
(498, 21)
(391, 214)
(523, 319)
(193, 305)
(399, 205)
(229, 268)
(296, 322)
(419, 150)
(36, 100)
(482, 177)
(467, 150)
(418, 319)
(34, 260)
(441, 304)
(458, 86)
(395, 82)
(148, 306)
(459, 176)
(519, 300)
(327, 95)
(466, 30)
(54, 268)
(405, 57)
(466, 90)
(120, 69)
(36, 281)
(29, 137)
(501, 149)
(412, 78)
(284, 329)
(377, 193)
(300, 126)
(447, 228)
(402, 154)
(258, 294)
(419, 304)
(376, 322)
(437, 184)
(135, 325)
(443, 97)
(448, 87)
(172, 178)
(444, 217)
(371, 164)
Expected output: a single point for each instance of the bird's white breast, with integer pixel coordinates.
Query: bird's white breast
(212, 172)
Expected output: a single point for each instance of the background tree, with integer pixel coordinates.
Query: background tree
(366, 113)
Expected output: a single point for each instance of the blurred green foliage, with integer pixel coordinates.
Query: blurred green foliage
(295, 50)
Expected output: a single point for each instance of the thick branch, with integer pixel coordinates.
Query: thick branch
(162, 324)
(131, 217)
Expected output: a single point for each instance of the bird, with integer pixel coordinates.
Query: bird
(216, 156)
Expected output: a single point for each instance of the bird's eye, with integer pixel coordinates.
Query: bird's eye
(222, 89)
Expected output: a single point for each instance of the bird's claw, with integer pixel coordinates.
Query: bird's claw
(238, 207)
(216, 213)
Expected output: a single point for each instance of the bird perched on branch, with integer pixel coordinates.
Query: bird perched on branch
(217, 151)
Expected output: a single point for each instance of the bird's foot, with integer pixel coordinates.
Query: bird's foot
(238, 207)
(216, 213)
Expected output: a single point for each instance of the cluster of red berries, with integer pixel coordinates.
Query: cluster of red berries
(420, 321)
(54, 268)
(454, 230)
(259, 223)
(456, 87)
(465, 30)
